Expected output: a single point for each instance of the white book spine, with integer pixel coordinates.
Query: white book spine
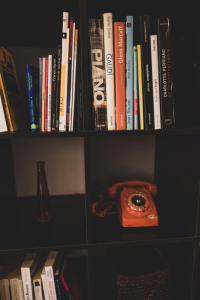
(14, 289)
(44, 284)
(155, 81)
(27, 283)
(109, 68)
(37, 286)
(3, 125)
(64, 73)
(20, 290)
(49, 92)
(5, 289)
(50, 283)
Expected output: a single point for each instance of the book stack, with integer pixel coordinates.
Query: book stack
(131, 72)
(40, 277)
(51, 85)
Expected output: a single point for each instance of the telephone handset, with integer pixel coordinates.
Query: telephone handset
(135, 203)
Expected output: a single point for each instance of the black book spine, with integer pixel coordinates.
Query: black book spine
(165, 72)
(54, 90)
(40, 93)
(98, 73)
(57, 100)
(145, 30)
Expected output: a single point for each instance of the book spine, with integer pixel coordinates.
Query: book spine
(53, 99)
(129, 72)
(44, 285)
(145, 28)
(5, 290)
(73, 78)
(27, 283)
(46, 95)
(40, 93)
(57, 105)
(98, 73)
(49, 93)
(31, 98)
(109, 68)
(3, 123)
(43, 94)
(64, 73)
(37, 286)
(50, 283)
(165, 72)
(140, 86)
(155, 81)
(71, 39)
(14, 289)
(7, 106)
(135, 89)
(120, 80)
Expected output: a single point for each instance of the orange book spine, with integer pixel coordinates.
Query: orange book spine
(120, 80)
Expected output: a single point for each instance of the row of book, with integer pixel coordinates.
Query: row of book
(131, 64)
(37, 276)
(51, 86)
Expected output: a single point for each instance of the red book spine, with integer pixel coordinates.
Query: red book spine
(120, 80)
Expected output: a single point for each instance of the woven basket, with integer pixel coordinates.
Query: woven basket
(152, 286)
(149, 283)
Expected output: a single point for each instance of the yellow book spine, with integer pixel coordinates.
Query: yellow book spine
(140, 86)
(8, 111)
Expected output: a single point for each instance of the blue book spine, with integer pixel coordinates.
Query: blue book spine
(31, 100)
(129, 72)
(135, 90)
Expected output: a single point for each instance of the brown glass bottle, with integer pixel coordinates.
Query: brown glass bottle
(43, 209)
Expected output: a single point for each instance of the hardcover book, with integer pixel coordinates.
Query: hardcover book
(109, 67)
(98, 73)
(145, 30)
(129, 73)
(28, 268)
(120, 77)
(165, 72)
(10, 89)
(32, 89)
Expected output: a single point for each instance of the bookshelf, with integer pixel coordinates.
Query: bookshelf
(94, 160)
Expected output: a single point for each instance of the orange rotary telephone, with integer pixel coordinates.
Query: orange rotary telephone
(135, 203)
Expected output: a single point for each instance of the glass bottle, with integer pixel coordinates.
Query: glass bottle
(43, 209)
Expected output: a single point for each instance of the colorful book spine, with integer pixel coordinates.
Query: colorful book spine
(49, 103)
(57, 100)
(53, 99)
(165, 72)
(109, 67)
(120, 79)
(135, 90)
(3, 123)
(71, 39)
(98, 73)
(155, 81)
(129, 72)
(33, 113)
(140, 86)
(64, 73)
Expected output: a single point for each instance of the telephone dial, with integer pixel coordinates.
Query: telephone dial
(134, 202)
